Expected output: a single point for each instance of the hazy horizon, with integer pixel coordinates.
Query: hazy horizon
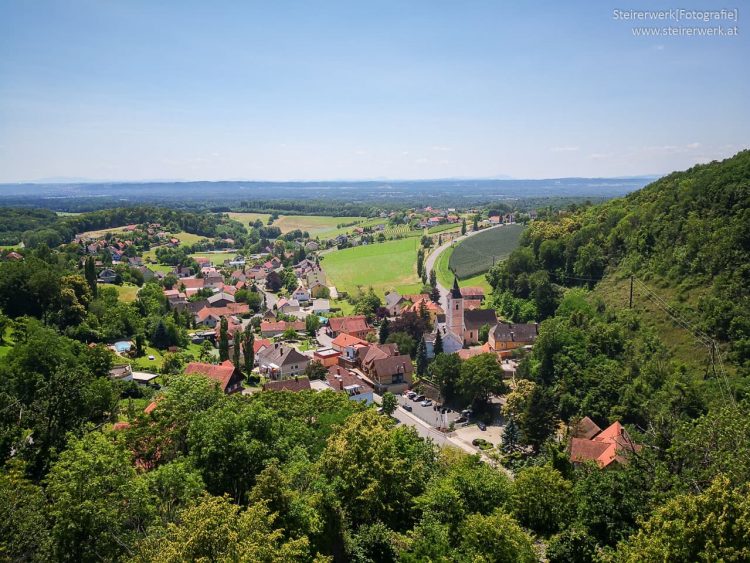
(136, 91)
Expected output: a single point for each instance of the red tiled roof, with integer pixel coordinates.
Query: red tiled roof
(472, 291)
(191, 283)
(343, 340)
(605, 447)
(220, 373)
(281, 326)
(586, 428)
(259, 343)
(348, 324)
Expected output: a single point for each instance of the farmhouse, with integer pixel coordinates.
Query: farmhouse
(507, 336)
(353, 326)
(604, 447)
(225, 374)
(280, 361)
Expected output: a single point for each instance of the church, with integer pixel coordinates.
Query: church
(465, 324)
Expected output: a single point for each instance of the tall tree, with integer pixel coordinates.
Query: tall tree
(90, 274)
(463, 226)
(389, 403)
(236, 351)
(437, 348)
(420, 262)
(511, 437)
(421, 358)
(248, 341)
(224, 340)
(384, 330)
(538, 422)
(475, 227)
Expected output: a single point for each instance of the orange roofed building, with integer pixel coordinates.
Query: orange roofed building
(225, 374)
(591, 443)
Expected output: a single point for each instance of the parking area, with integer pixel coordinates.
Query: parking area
(430, 414)
(465, 434)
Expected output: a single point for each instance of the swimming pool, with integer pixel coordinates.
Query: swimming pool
(123, 346)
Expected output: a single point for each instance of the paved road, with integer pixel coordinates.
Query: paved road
(271, 298)
(430, 262)
(429, 415)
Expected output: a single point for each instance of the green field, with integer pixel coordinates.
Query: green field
(317, 225)
(476, 254)
(127, 292)
(217, 258)
(445, 276)
(248, 218)
(390, 265)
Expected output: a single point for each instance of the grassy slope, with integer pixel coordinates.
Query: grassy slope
(445, 276)
(383, 266)
(127, 292)
(614, 290)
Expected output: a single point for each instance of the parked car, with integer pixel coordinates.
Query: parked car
(426, 403)
(407, 408)
(411, 395)
(482, 426)
(151, 357)
(419, 398)
(460, 419)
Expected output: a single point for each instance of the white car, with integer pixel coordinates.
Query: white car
(426, 403)
(151, 357)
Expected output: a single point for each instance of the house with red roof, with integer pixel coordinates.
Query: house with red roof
(603, 447)
(226, 375)
(353, 326)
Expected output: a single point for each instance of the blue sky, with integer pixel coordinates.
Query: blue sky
(133, 90)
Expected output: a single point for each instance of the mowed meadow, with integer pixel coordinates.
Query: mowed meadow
(323, 226)
(476, 254)
(384, 266)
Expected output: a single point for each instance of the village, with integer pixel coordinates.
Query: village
(287, 312)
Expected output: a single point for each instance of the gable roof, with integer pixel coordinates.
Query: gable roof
(282, 355)
(476, 318)
(259, 343)
(586, 428)
(520, 332)
(356, 323)
(343, 340)
(606, 447)
(472, 291)
(392, 365)
(221, 373)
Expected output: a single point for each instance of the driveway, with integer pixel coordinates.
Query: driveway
(430, 415)
(324, 340)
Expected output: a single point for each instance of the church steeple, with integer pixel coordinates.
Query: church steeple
(455, 292)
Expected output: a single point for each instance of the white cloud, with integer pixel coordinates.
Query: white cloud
(441, 149)
(565, 149)
(601, 155)
(693, 145)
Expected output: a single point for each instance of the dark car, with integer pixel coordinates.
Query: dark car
(407, 408)
(418, 399)
(482, 426)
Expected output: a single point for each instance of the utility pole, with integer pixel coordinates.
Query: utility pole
(631, 291)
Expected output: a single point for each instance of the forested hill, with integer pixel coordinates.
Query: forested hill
(686, 237)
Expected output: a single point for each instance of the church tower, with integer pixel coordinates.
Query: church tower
(454, 316)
